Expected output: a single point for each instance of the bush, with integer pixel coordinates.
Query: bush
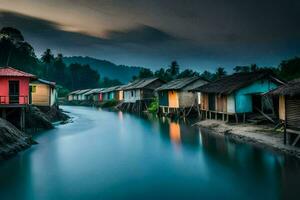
(153, 107)
(109, 104)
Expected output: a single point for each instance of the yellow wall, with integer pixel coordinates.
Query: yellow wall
(121, 95)
(173, 99)
(282, 107)
(41, 94)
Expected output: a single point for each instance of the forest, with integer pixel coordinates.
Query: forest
(16, 52)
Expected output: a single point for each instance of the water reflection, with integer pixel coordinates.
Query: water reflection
(115, 155)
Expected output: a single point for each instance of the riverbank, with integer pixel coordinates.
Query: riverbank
(260, 135)
(12, 140)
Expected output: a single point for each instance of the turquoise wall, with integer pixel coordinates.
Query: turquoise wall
(243, 98)
(163, 98)
(111, 95)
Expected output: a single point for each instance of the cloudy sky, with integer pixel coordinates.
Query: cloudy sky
(199, 34)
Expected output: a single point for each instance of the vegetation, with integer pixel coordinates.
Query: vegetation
(153, 107)
(17, 53)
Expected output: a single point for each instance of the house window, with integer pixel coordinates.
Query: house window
(33, 89)
(132, 93)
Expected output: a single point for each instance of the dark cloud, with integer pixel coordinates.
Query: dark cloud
(197, 33)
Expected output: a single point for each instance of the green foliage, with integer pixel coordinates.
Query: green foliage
(153, 107)
(106, 82)
(290, 69)
(62, 91)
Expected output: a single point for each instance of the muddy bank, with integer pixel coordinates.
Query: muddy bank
(12, 140)
(259, 135)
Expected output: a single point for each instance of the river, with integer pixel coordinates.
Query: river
(114, 155)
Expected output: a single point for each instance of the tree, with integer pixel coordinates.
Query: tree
(173, 69)
(187, 73)
(145, 73)
(48, 58)
(239, 69)
(220, 72)
(290, 69)
(254, 68)
(207, 75)
(59, 69)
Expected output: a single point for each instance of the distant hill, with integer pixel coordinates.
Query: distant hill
(105, 68)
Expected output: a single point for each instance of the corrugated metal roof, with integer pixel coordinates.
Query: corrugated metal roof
(110, 89)
(9, 71)
(292, 88)
(140, 83)
(83, 91)
(94, 91)
(231, 83)
(182, 83)
(45, 82)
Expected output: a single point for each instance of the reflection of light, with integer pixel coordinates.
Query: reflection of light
(200, 137)
(175, 132)
(120, 116)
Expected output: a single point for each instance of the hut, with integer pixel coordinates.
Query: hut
(14, 95)
(94, 95)
(176, 95)
(110, 94)
(141, 90)
(237, 95)
(289, 109)
(43, 93)
(80, 95)
(71, 95)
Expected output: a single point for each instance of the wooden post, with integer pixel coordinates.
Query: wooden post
(223, 117)
(236, 118)
(216, 115)
(22, 119)
(244, 117)
(227, 118)
(4, 113)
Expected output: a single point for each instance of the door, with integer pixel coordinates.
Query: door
(14, 92)
(173, 99)
(212, 102)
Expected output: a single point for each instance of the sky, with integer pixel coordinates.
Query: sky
(199, 34)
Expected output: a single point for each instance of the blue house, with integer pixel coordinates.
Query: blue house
(237, 94)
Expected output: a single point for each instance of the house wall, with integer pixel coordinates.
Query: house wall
(281, 107)
(100, 96)
(53, 98)
(292, 112)
(40, 94)
(131, 96)
(120, 95)
(70, 97)
(221, 105)
(243, 98)
(23, 89)
(204, 101)
(173, 99)
(163, 98)
(230, 103)
(187, 99)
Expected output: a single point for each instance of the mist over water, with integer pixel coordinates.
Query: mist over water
(115, 155)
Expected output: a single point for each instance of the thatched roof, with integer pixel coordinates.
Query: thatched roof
(182, 84)
(236, 81)
(140, 83)
(292, 88)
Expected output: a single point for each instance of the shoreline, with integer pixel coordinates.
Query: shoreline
(13, 141)
(258, 135)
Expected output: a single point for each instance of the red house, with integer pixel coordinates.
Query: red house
(14, 86)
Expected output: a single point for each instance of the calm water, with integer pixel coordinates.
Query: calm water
(108, 155)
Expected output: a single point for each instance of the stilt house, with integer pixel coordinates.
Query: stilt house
(81, 94)
(111, 93)
(141, 90)
(43, 93)
(71, 95)
(289, 109)
(94, 95)
(237, 94)
(177, 93)
(14, 95)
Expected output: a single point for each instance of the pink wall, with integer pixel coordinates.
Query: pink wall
(24, 89)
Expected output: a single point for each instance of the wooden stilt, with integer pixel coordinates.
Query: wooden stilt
(236, 118)
(223, 117)
(244, 118)
(4, 114)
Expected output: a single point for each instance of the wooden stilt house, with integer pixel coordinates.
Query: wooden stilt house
(71, 95)
(141, 90)
(14, 95)
(111, 93)
(289, 110)
(177, 94)
(237, 95)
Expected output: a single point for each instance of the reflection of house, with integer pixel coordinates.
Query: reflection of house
(43, 93)
(14, 95)
(142, 89)
(236, 94)
(176, 94)
(289, 108)
(174, 131)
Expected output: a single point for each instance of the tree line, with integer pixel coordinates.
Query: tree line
(16, 52)
(286, 70)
